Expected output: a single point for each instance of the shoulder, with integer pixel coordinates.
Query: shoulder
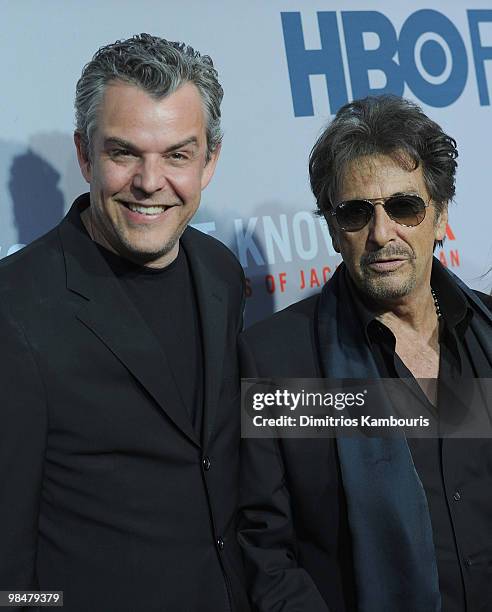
(214, 263)
(285, 344)
(215, 260)
(215, 251)
(486, 299)
(34, 269)
(285, 326)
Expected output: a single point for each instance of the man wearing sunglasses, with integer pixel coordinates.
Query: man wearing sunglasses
(395, 524)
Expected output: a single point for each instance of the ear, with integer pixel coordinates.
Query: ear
(209, 169)
(441, 223)
(82, 157)
(333, 233)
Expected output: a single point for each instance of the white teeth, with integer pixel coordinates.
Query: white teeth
(147, 210)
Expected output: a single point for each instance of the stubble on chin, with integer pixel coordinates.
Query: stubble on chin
(387, 286)
(141, 252)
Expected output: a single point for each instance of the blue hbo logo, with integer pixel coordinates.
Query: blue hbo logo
(432, 58)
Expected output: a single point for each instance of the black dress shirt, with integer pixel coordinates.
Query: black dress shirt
(456, 473)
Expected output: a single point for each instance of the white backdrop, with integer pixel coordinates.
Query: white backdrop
(268, 54)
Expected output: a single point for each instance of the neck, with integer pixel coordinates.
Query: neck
(86, 217)
(416, 313)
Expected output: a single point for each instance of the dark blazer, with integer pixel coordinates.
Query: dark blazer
(294, 530)
(293, 525)
(106, 491)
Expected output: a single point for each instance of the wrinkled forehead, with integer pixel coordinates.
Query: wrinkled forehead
(378, 176)
(147, 122)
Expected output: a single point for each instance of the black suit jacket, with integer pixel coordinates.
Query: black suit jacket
(294, 529)
(106, 491)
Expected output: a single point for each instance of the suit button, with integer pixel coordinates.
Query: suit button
(206, 463)
(456, 496)
(220, 544)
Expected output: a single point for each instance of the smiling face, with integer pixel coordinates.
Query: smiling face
(388, 261)
(146, 171)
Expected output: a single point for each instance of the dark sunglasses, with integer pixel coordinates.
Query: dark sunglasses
(405, 208)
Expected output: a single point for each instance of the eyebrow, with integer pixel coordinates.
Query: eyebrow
(125, 144)
(408, 191)
(191, 140)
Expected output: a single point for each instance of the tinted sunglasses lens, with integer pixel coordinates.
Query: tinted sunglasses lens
(353, 215)
(406, 210)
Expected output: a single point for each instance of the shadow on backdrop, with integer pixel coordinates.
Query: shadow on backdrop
(260, 304)
(37, 199)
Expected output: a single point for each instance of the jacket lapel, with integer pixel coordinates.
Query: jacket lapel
(211, 294)
(111, 315)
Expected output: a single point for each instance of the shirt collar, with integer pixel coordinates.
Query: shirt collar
(452, 302)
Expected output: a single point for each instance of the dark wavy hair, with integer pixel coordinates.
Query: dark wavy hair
(387, 125)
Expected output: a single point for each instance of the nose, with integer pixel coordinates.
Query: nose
(149, 176)
(381, 227)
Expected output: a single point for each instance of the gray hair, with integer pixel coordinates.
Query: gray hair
(156, 65)
(387, 125)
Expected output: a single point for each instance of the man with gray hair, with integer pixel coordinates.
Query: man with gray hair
(376, 524)
(119, 419)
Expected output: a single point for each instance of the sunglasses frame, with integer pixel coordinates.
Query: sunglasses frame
(382, 201)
